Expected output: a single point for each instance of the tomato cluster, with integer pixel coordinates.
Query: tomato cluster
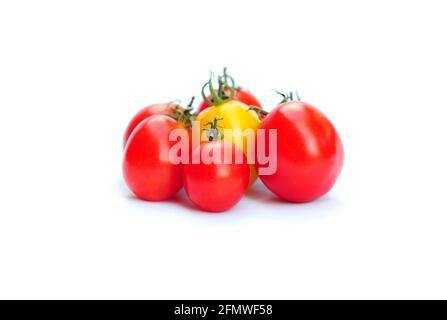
(218, 167)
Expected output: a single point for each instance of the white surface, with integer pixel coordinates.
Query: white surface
(73, 73)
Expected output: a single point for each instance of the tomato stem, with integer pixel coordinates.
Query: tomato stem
(226, 76)
(190, 103)
(213, 133)
(174, 104)
(184, 116)
(287, 96)
(204, 96)
(259, 111)
(217, 100)
(225, 83)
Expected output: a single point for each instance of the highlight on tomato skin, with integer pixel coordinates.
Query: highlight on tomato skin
(310, 152)
(216, 187)
(153, 109)
(147, 170)
(234, 115)
(301, 158)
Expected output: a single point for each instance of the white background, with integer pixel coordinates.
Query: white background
(72, 74)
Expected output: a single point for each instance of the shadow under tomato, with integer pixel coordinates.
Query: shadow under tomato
(179, 199)
(324, 205)
(257, 195)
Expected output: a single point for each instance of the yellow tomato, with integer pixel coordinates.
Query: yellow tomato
(237, 117)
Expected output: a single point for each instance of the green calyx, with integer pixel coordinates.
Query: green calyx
(260, 112)
(213, 133)
(288, 96)
(220, 95)
(228, 80)
(184, 116)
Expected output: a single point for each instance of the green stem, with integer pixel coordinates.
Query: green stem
(216, 99)
(191, 102)
(213, 132)
(259, 111)
(287, 97)
(184, 116)
(204, 96)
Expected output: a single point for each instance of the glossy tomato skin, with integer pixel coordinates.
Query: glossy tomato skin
(158, 108)
(309, 152)
(234, 114)
(146, 167)
(241, 95)
(216, 187)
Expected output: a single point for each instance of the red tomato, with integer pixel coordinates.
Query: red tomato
(309, 152)
(146, 166)
(158, 108)
(216, 187)
(240, 94)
